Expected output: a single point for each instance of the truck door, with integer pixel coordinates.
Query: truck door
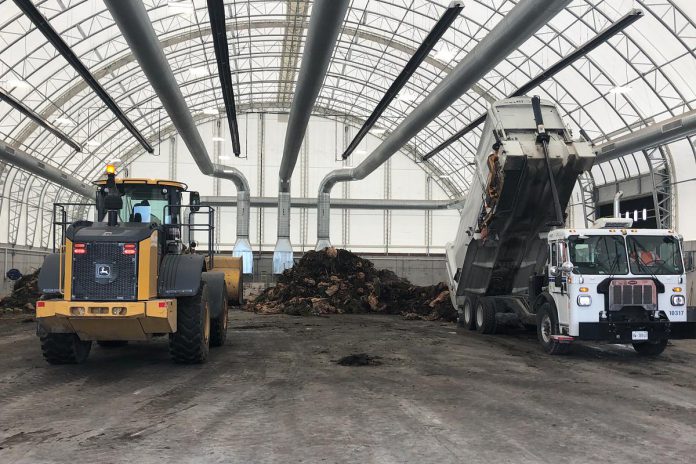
(558, 281)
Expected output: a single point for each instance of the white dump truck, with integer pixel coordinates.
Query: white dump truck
(513, 262)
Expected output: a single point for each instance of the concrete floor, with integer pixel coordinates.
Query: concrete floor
(273, 394)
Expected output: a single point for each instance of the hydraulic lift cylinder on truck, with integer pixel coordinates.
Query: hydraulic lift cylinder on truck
(511, 260)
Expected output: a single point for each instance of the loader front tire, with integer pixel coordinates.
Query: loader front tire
(191, 341)
(64, 348)
(218, 325)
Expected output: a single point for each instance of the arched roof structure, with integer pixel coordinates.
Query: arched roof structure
(638, 77)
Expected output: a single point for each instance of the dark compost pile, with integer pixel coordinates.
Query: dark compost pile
(24, 294)
(335, 281)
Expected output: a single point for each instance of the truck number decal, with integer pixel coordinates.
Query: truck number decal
(676, 312)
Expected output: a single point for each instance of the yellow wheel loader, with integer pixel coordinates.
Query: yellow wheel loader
(129, 276)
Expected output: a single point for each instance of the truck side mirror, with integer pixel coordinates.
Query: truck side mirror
(553, 271)
(567, 267)
(195, 201)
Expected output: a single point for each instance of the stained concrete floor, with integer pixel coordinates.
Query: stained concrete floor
(274, 394)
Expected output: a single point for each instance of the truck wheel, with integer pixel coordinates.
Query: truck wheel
(190, 343)
(218, 325)
(484, 319)
(112, 343)
(467, 315)
(547, 326)
(64, 348)
(650, 348)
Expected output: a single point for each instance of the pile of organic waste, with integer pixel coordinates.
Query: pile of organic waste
(336, 281)
(24, 294)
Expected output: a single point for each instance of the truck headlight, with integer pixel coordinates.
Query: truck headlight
(584, 300)
(678, 300)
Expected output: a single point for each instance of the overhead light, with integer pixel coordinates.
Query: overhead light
(198, 71)
(180, 7)
(445, 176)
(64, 121)
(620, 89)
(445, 54)
(223, 157)
(360, 152)
(211, 111)
(92, 143)
(115, 160)
(378, 131)
(218, 139)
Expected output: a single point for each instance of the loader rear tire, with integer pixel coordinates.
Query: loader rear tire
(218, 325)
(64, 348)
(112, 343)
(485, 316)
(191, 341)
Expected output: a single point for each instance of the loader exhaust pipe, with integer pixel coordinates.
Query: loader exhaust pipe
(617, 204)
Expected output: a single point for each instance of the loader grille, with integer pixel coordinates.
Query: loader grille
(104, 273)
(624, 293)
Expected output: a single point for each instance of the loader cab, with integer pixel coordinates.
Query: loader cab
(144, 200)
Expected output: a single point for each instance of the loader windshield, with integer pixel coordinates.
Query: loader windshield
(146, 202)
(598, 255)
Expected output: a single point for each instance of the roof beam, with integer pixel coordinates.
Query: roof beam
(64, 49)
(294, 32)
(578, 53)
(33, 165)
(34, 116)
(216, 12)
(417, 58)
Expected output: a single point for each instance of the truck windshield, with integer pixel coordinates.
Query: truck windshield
(599, 254)
(654, 255)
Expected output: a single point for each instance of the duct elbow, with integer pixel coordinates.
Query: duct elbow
(233, 174)
(334, 177)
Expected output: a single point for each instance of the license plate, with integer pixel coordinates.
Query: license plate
(640, 335)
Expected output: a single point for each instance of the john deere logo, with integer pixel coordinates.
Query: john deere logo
(632, 282)
(103, 270)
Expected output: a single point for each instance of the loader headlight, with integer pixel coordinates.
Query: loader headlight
(584, 300)
(77, 310)
(678, 300)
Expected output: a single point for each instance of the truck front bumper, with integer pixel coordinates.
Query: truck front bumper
(113, 320)
(622, 332)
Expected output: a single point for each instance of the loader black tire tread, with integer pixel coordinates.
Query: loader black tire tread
(218, 325)
(112, 343)
(189, 345)
(64, 348)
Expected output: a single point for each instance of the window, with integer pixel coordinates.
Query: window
(598, 255)
(654, 255)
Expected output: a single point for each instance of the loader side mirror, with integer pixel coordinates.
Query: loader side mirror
(195, 201)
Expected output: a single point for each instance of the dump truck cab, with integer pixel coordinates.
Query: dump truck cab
(618, 284)
(128, 275)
